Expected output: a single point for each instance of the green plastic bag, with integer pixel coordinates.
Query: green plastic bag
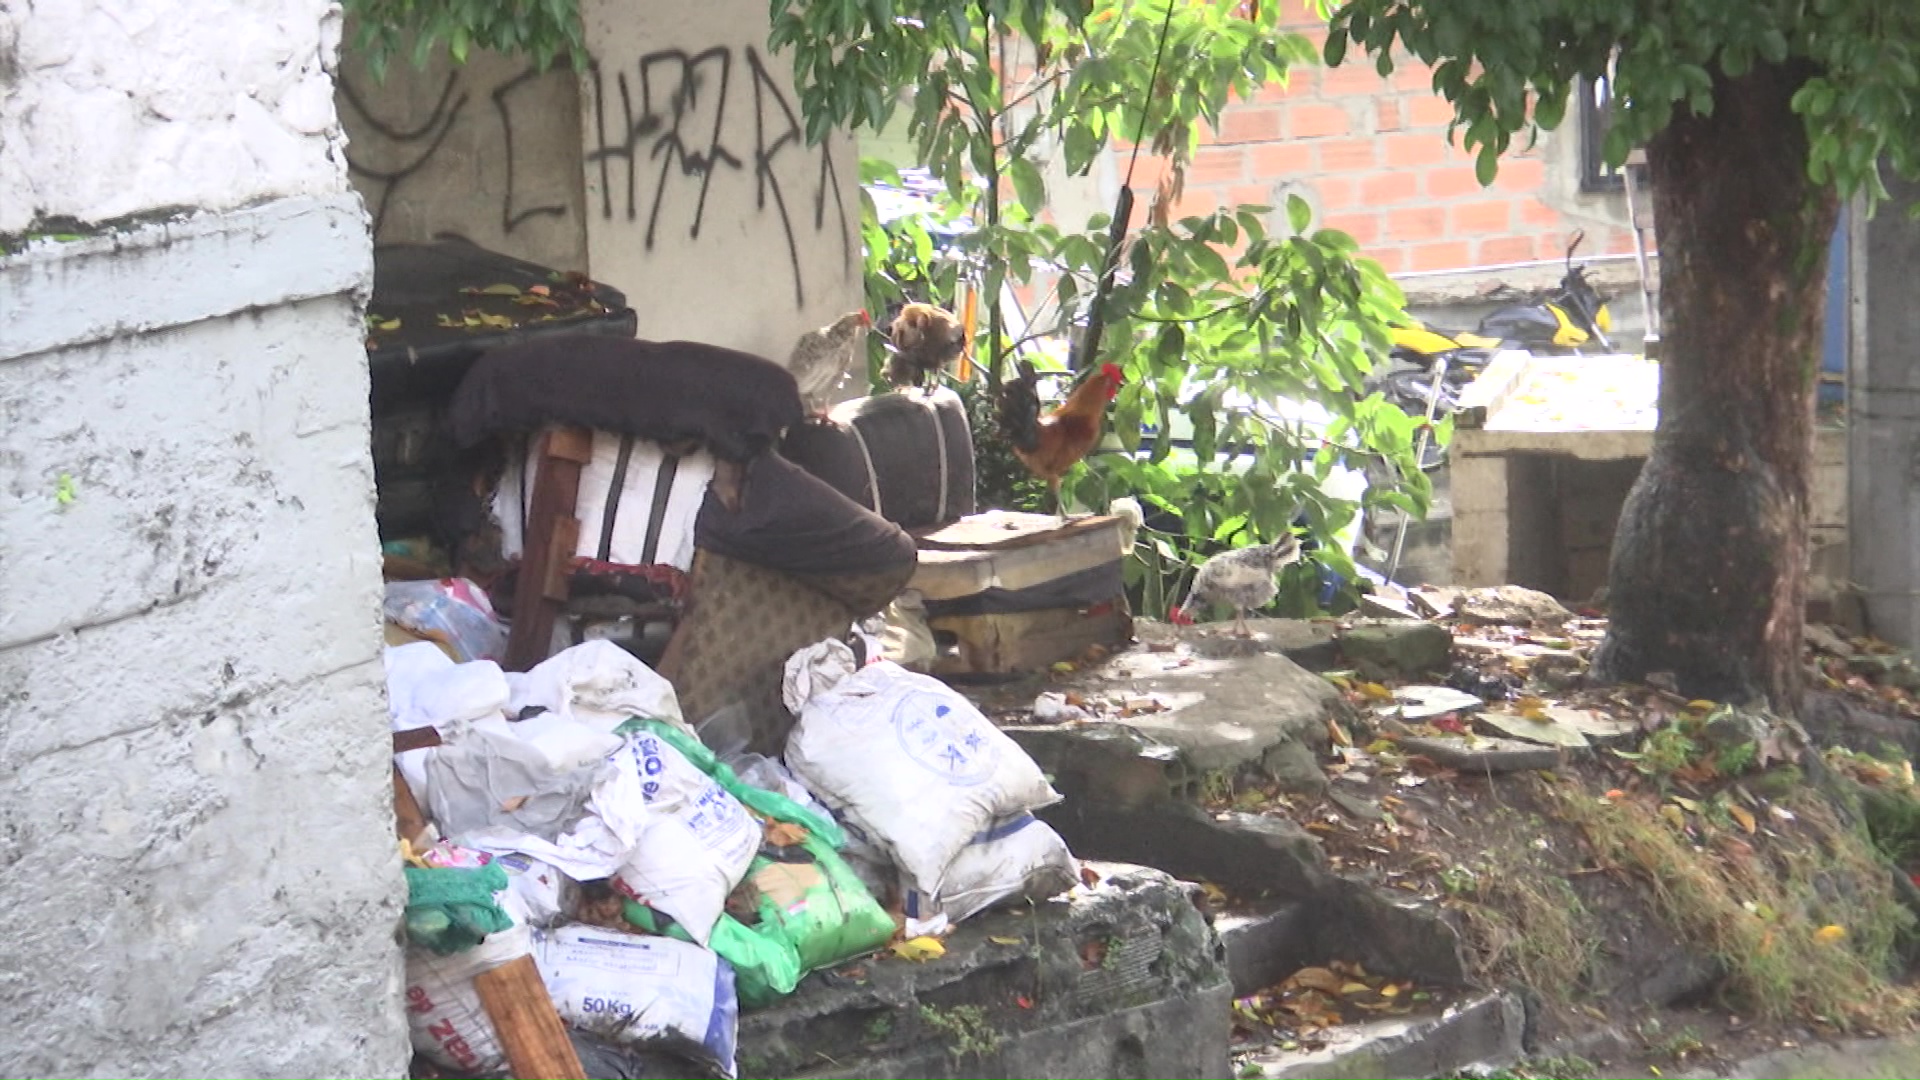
(766, 966)
(769, 803)
(827, 915)
(451, 909)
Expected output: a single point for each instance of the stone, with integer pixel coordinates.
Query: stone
(1246, 853)
(1307, 642)
(1483, 754)
(1105, 764)
(1223, 714)
(1266, 945)
(1397, 648)
(1294, 768)
(1510, 605)
(1426, 702)
(1486, 1030)
(1124, 979)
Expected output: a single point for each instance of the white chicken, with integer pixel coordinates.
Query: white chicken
(1241, 579)
(822, 358)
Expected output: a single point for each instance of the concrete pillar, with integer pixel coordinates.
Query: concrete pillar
(1883, 407)
(197, 856)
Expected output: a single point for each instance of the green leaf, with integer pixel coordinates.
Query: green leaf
(1299, 214)
(1486, 165)
(1027, 185)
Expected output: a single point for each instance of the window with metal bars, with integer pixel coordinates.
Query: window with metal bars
(1594, 97)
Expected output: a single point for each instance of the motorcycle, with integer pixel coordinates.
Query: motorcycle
(1567, 319)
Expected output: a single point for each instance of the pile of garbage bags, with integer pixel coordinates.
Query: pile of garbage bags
(661, 884)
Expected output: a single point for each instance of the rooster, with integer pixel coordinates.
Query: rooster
(1050, 445)
(925, 340)
(821, 359)
(1241, 578)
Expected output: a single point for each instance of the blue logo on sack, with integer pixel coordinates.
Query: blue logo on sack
(940, 742)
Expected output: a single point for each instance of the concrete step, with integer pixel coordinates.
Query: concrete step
(1485, 1030)
(1265, 945)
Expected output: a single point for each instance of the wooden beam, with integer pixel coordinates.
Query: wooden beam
(530, 1030)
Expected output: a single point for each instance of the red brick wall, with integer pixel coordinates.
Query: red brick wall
(1374, 152)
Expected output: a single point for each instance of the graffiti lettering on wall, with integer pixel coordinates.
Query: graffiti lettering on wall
(672, 141)
(414, 147)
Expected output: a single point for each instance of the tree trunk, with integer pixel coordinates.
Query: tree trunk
(1709, 571)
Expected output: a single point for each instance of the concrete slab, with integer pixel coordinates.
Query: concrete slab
(1486, 1030)
(1127, 979)
(1484, 753)
(1225, 713)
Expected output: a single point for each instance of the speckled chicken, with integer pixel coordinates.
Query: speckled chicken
(822, 358)
(1241, 579)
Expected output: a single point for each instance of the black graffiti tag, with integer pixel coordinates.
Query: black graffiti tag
(680, 123)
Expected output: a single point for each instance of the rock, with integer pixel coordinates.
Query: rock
(1483, 754)
(1309, 643)
(1510, 605)
(1109, 764)
(1397, 648)
(1544, 729)
(1419, 703)
(1294, 768)
(1123, 979)
(1388, 933)
(1827, 640)
(1225, 715)
(1355, 806)
(1266, 945)
(1487, 1031)
(1250, 853)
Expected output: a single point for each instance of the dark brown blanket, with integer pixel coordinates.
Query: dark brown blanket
(676, 392)
(794, 522)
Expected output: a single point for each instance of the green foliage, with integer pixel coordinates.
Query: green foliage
(541, 29)
(1507, 66)
(965, 1028)
(1216, 319)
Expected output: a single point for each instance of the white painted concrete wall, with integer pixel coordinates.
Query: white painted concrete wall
(714, 216)
(117, 107)
(196, 851)
(488, 150)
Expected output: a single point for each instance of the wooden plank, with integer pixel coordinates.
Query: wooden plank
(409, 822)
(415, 739)
(556, 493)
(1001, 529)
(949, 575)
(1029, 640)
(530, 1030)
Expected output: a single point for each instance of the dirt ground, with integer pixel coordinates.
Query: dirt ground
(1615, 886)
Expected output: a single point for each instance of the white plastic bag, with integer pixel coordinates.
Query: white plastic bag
(917, 765)
(487, 781)
(695, 842)
(597, 683)
(425, 689)
(445, 1018)
(1020, 857)
(542, 890)
(642, 990)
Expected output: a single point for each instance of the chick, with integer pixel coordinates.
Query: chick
(1241, 579)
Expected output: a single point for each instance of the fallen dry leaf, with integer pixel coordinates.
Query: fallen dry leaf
(1316, 978)
(997, 940)
(1830, 933)
(920, 949)
(1745, 817)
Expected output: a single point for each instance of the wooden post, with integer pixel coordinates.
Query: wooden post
(530, 1030)
(553, 534)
